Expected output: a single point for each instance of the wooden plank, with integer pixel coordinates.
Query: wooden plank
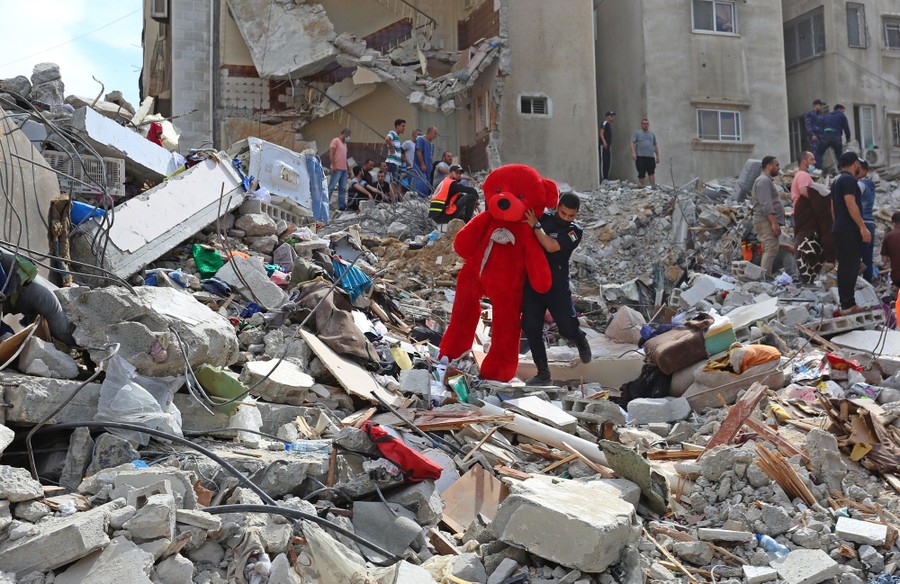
(672, 558)
(476, 492)
(442, 543)
(353, 378)
(460, 423)
(738, 413)
(512, 473)
(480, 444)
(559, 463)
(674, 454)
(604, 472)
(773, 437)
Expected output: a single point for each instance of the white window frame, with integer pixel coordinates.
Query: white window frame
(531, 99)
(892, 24)
(482, 113)
(865, 123)
(860, 25)
(714, 5)
(792, 37)
(739, 137)
(895, 131)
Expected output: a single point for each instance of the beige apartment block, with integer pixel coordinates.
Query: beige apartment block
(847, 53)
(708, 74)
(503, 80)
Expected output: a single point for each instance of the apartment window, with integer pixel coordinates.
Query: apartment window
(534, 104)
(714, 16)
(865, 125)
(482, 112)
(856, 25)
(804, 37)
(895, 131)
(795, 134)
(719, 125)
(892, 33)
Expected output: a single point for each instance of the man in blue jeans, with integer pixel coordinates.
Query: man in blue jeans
(867, 188)
(337, 155)
(834, 124)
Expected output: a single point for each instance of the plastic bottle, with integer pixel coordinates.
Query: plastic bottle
(772, 546)
(310, 447)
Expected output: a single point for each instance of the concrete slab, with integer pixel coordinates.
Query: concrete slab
(375, 522)
(707, 534)
(156, 221)
(806, 567)
(120, 561)
(543, 411)
(864, 532)
(702, 286)
(260, 286)
(31, 399)
(287, 384)
(144, 159)
(759, 574)
(597, 527)
(61, 541)
(744, 316)
(285, 38)
(606, 367)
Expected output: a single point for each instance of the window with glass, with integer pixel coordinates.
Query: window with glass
(856, 25)
(865, 125)
(892, 33)
(715, 16)
(804, 37)
(895, 131)
(535, 105)
(719, 125)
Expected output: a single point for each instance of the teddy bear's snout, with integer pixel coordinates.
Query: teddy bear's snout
(504, 204)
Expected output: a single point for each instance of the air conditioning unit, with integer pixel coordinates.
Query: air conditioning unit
(159, 10)
(876, 157)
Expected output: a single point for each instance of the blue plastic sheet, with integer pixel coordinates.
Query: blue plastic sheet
(355, 283)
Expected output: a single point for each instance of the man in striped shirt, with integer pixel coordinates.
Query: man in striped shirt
(394, 155)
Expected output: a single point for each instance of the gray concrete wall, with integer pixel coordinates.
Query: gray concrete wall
(620, 76)
(191, 83)
(850, 76)
(675, 71)
(547, 57)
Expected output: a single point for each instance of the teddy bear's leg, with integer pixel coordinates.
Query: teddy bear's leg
(464, 318)
(502, 360)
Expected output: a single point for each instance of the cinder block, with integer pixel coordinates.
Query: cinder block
(759, 574)
(806, 567)
(865, 532)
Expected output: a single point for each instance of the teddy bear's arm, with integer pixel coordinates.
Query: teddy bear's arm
(536, 265)
(472, 235)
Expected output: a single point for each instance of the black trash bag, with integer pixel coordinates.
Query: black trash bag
(651, 383)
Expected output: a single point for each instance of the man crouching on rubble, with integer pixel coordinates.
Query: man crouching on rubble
(559, 235)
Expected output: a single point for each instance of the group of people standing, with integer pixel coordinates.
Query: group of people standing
(824, 130)
(644, 150)
(836, 225)
(408, 166)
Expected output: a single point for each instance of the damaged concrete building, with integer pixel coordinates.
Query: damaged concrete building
(296, 73)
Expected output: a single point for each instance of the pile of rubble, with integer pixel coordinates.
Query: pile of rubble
(231, 364)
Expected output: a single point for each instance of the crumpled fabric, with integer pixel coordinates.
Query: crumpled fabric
(249, 551)
(502, 236)
(333, 323)
(355, 282)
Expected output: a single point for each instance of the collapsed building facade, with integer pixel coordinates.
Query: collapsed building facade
(484, 73)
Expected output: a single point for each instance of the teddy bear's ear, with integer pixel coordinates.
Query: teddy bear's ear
(551, 197)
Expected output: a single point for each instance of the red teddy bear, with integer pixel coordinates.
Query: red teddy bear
(498, 250)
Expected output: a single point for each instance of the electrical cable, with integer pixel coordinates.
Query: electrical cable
(232, 431)
(296, 514)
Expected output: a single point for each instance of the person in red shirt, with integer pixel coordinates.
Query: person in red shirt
(337, 154)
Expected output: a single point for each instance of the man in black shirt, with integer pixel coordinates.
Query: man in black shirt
(559, 235)
(606, 144)
(850, 232)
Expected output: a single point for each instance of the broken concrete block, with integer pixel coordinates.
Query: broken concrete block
(44, 73)
(416, 381)
(506, 569)
(18, 84)
(698, 553)
(665, 409)
(125, 479)
(727, 535)
(747, 271)
(31, 511)
(759, 574)
(871, 558)
(17, 485)
(255, 224)
(32, 399)
(6, 437)
(209, 553)
(467, 567)
(254, 273)
(44, 360)
(864, 532)
(391, 526)
(448, 107)
(118, 517)
(175, 569)
(287, 384)
(825, 458)
(198, 518)
(81, 447)
(423, 499)
(285, 40)
(806, 567)
(120, 561)
(625, 326)
(61, 541)
(597, 527)
(136, 321)
(156, 519)
(264, 244)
